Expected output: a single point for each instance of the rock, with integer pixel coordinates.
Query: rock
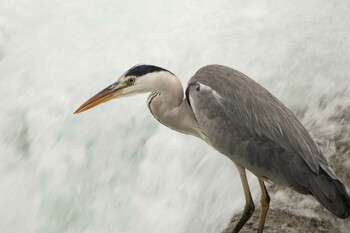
(283, 221)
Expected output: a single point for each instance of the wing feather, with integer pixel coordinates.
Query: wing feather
(226, 96)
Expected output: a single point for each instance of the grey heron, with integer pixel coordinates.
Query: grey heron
(243, 121)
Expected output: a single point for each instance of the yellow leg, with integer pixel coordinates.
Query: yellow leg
(265, 205)
(249, 204)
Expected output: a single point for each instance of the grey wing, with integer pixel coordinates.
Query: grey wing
(230, 107)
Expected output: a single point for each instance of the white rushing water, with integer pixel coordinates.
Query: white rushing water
(115, 168)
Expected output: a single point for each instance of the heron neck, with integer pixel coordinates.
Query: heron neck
(169, 107)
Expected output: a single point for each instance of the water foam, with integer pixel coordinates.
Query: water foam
(114, 168)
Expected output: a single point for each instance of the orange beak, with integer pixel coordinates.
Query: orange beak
(110, 92)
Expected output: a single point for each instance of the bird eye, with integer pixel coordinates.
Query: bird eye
(131, 80)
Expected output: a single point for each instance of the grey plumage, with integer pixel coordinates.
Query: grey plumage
(252, 110)
(243, 121)
(262, 135)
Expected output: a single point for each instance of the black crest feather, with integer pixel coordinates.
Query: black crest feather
(140, 70)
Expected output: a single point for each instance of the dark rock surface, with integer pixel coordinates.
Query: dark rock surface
(285, 221)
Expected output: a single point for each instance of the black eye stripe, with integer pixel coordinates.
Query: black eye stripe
(141, 70)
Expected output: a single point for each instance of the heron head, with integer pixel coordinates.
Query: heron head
(138, 79)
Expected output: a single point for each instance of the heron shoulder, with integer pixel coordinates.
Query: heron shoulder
(229, 81)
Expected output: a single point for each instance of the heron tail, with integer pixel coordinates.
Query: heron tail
(331, 193)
